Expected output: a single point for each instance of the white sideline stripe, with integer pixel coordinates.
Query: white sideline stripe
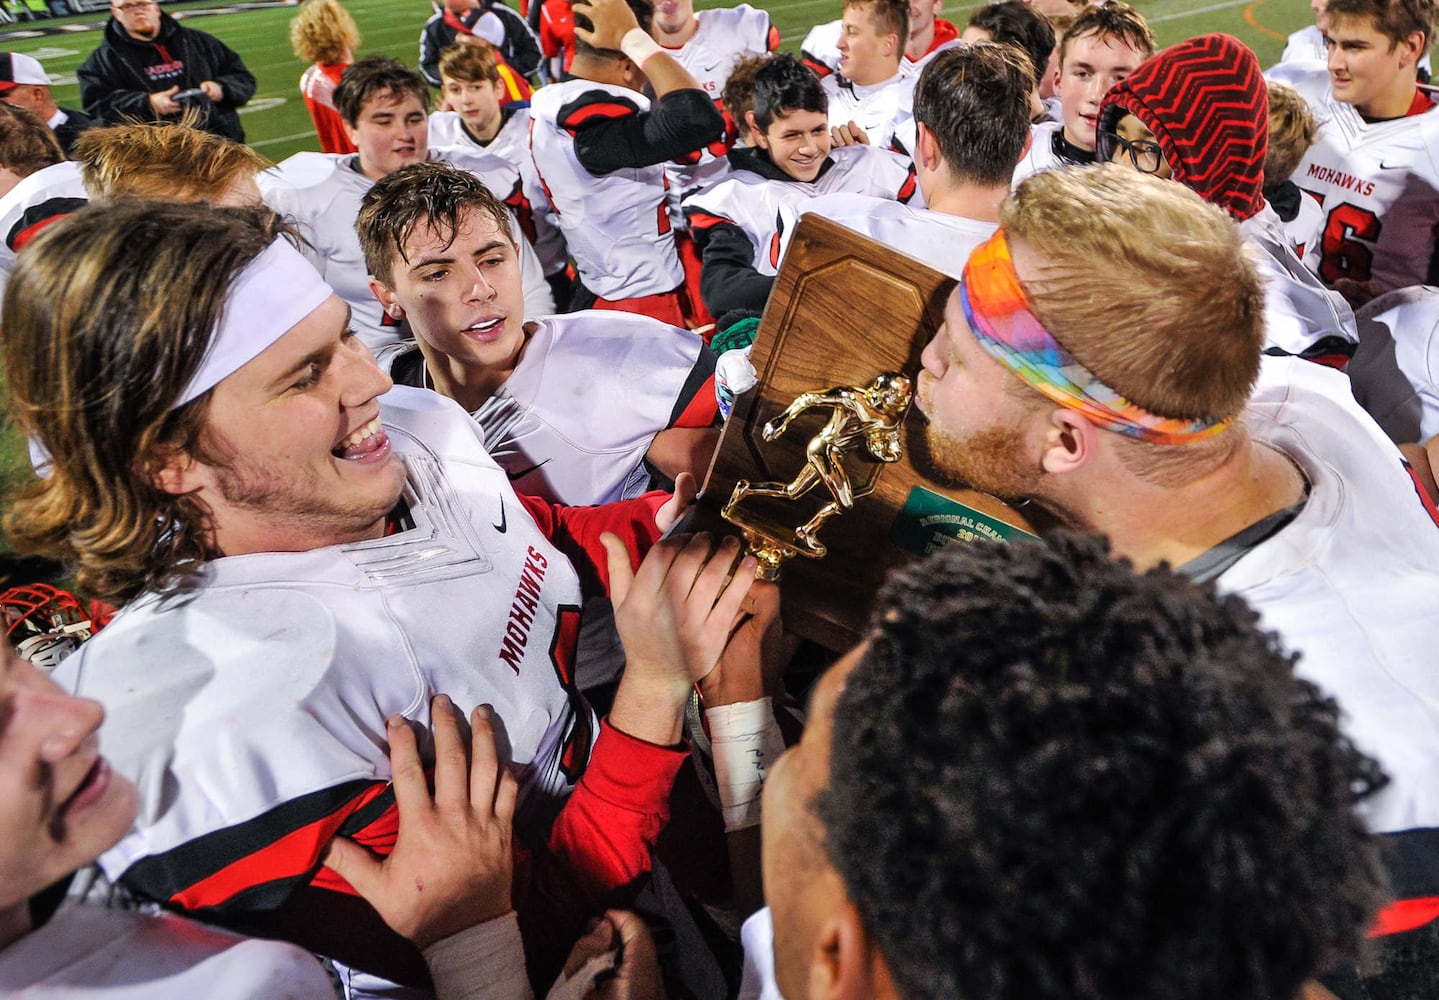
(1180, 15)
(283, 138)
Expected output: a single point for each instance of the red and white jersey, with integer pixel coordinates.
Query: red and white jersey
(942, 241)
(46, 196)
(640, 377)
(754, 203)
(879, 109)
(252, 712)
(1301, 315)
(317, 87)
(820, 47)
(617, 226)
(92, 951)
(1350, 584)
(321, 194)
(1378, 185)
(725, 36)
(512, 144)
(1306, 228)
(1395, 371)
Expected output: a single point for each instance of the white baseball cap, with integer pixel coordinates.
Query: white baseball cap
(16, 68)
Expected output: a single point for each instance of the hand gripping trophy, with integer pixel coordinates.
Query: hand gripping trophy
(872, 414)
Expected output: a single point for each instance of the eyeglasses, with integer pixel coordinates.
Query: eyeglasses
(135, 5)
(1146, 156)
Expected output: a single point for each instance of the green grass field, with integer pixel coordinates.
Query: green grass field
(278, 124)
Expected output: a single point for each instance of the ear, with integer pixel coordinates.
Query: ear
(175, 472)
(1071, 442)
(1412, 48)
(634, 78)
(756, 133)
(387, 299)
(1028, 145)
(844, 960)
(926, 147)
(501, 92)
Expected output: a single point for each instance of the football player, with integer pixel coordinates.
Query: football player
(481, 116)
(440, 258)
(972, 108)
(1373, 166)
(1105, 44)
(600, 147)
(383, 105)
(869, 97)
(735, 222)
(1179, 441)
(341, 551)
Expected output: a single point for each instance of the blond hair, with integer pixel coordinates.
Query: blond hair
(166, 161)
(1292, 130)
(324, 32)
(1152, 290)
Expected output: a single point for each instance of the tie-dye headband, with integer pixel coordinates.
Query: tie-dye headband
(1004, 324)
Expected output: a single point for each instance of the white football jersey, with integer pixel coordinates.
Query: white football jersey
(640, 376)
(1349, 583)
(32, 204)
(1041, 154)
(1301, 316)
(725, 36)
(942, 241)
(91, 951)
(1378, 185)
(531, 206)
(1304, 230)
(753, 203)
(617, 226)
(321, 194)
(821, 46)
(269, 684)
(1395, 371)
(879, 109)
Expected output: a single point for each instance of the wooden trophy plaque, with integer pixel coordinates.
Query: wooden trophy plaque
(845, 324)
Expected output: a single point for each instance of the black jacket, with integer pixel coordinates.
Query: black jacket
(118, 77)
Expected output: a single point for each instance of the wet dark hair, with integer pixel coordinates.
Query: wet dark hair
(436, 194)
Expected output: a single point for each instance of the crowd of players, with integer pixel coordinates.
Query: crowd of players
(375, 451)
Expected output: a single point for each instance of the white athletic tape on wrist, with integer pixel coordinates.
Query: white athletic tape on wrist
(747, 742)
(639, 46)
(266, 300)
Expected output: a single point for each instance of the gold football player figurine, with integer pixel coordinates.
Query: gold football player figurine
(871, 414)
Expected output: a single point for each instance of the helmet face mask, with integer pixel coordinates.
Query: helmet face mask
(43, 623)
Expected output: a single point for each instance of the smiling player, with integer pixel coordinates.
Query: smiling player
(244, 449)
(735, 222)
(440, 258)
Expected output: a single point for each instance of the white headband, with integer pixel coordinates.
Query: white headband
(272, 294)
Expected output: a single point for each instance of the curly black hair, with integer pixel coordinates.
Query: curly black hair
(1052, 777)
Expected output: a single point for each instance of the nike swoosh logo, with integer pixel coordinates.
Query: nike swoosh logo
(514, 476)
(504, 524)
(1391, 166)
